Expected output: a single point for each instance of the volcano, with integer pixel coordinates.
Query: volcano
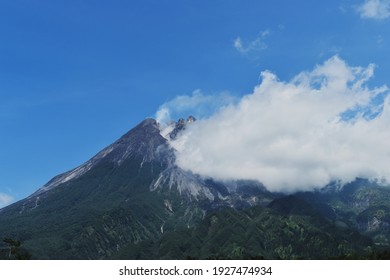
(131, 201)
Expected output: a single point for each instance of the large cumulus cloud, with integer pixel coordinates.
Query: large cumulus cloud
(323, 125)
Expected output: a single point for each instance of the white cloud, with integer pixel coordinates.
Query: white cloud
(375, 9)
(256, 44)
(321, 126)
(196, 104)
(5, 200)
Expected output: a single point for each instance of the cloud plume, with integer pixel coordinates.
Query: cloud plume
(323, 125)
(197, 104)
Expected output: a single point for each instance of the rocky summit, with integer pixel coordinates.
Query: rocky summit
(131, 201)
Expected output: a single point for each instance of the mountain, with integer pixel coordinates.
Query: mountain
(131, 201)
(361, 204)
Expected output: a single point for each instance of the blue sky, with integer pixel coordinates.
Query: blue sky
(76, 75)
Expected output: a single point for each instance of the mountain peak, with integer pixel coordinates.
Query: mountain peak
(141, 143)
(148, 122)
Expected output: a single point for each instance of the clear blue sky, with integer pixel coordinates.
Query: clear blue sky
(76, 75)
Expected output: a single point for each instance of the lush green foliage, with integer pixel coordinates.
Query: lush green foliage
(256, 233)
(362, 205)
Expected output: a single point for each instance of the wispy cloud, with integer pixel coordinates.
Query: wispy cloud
(323, 125)
(254, 45)
(5, 200)
(375, 9)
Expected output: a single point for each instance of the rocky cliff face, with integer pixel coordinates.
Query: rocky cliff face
(179, 126)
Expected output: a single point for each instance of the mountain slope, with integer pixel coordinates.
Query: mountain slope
(254, 233)
(129, 192)
(84, 216)
(104, 202)
(361, 204)
(131, 198)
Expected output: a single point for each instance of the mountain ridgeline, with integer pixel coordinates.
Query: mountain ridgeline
(130, 201)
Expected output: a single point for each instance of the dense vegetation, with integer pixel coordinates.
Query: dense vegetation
(91, 216)
(256, 233)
